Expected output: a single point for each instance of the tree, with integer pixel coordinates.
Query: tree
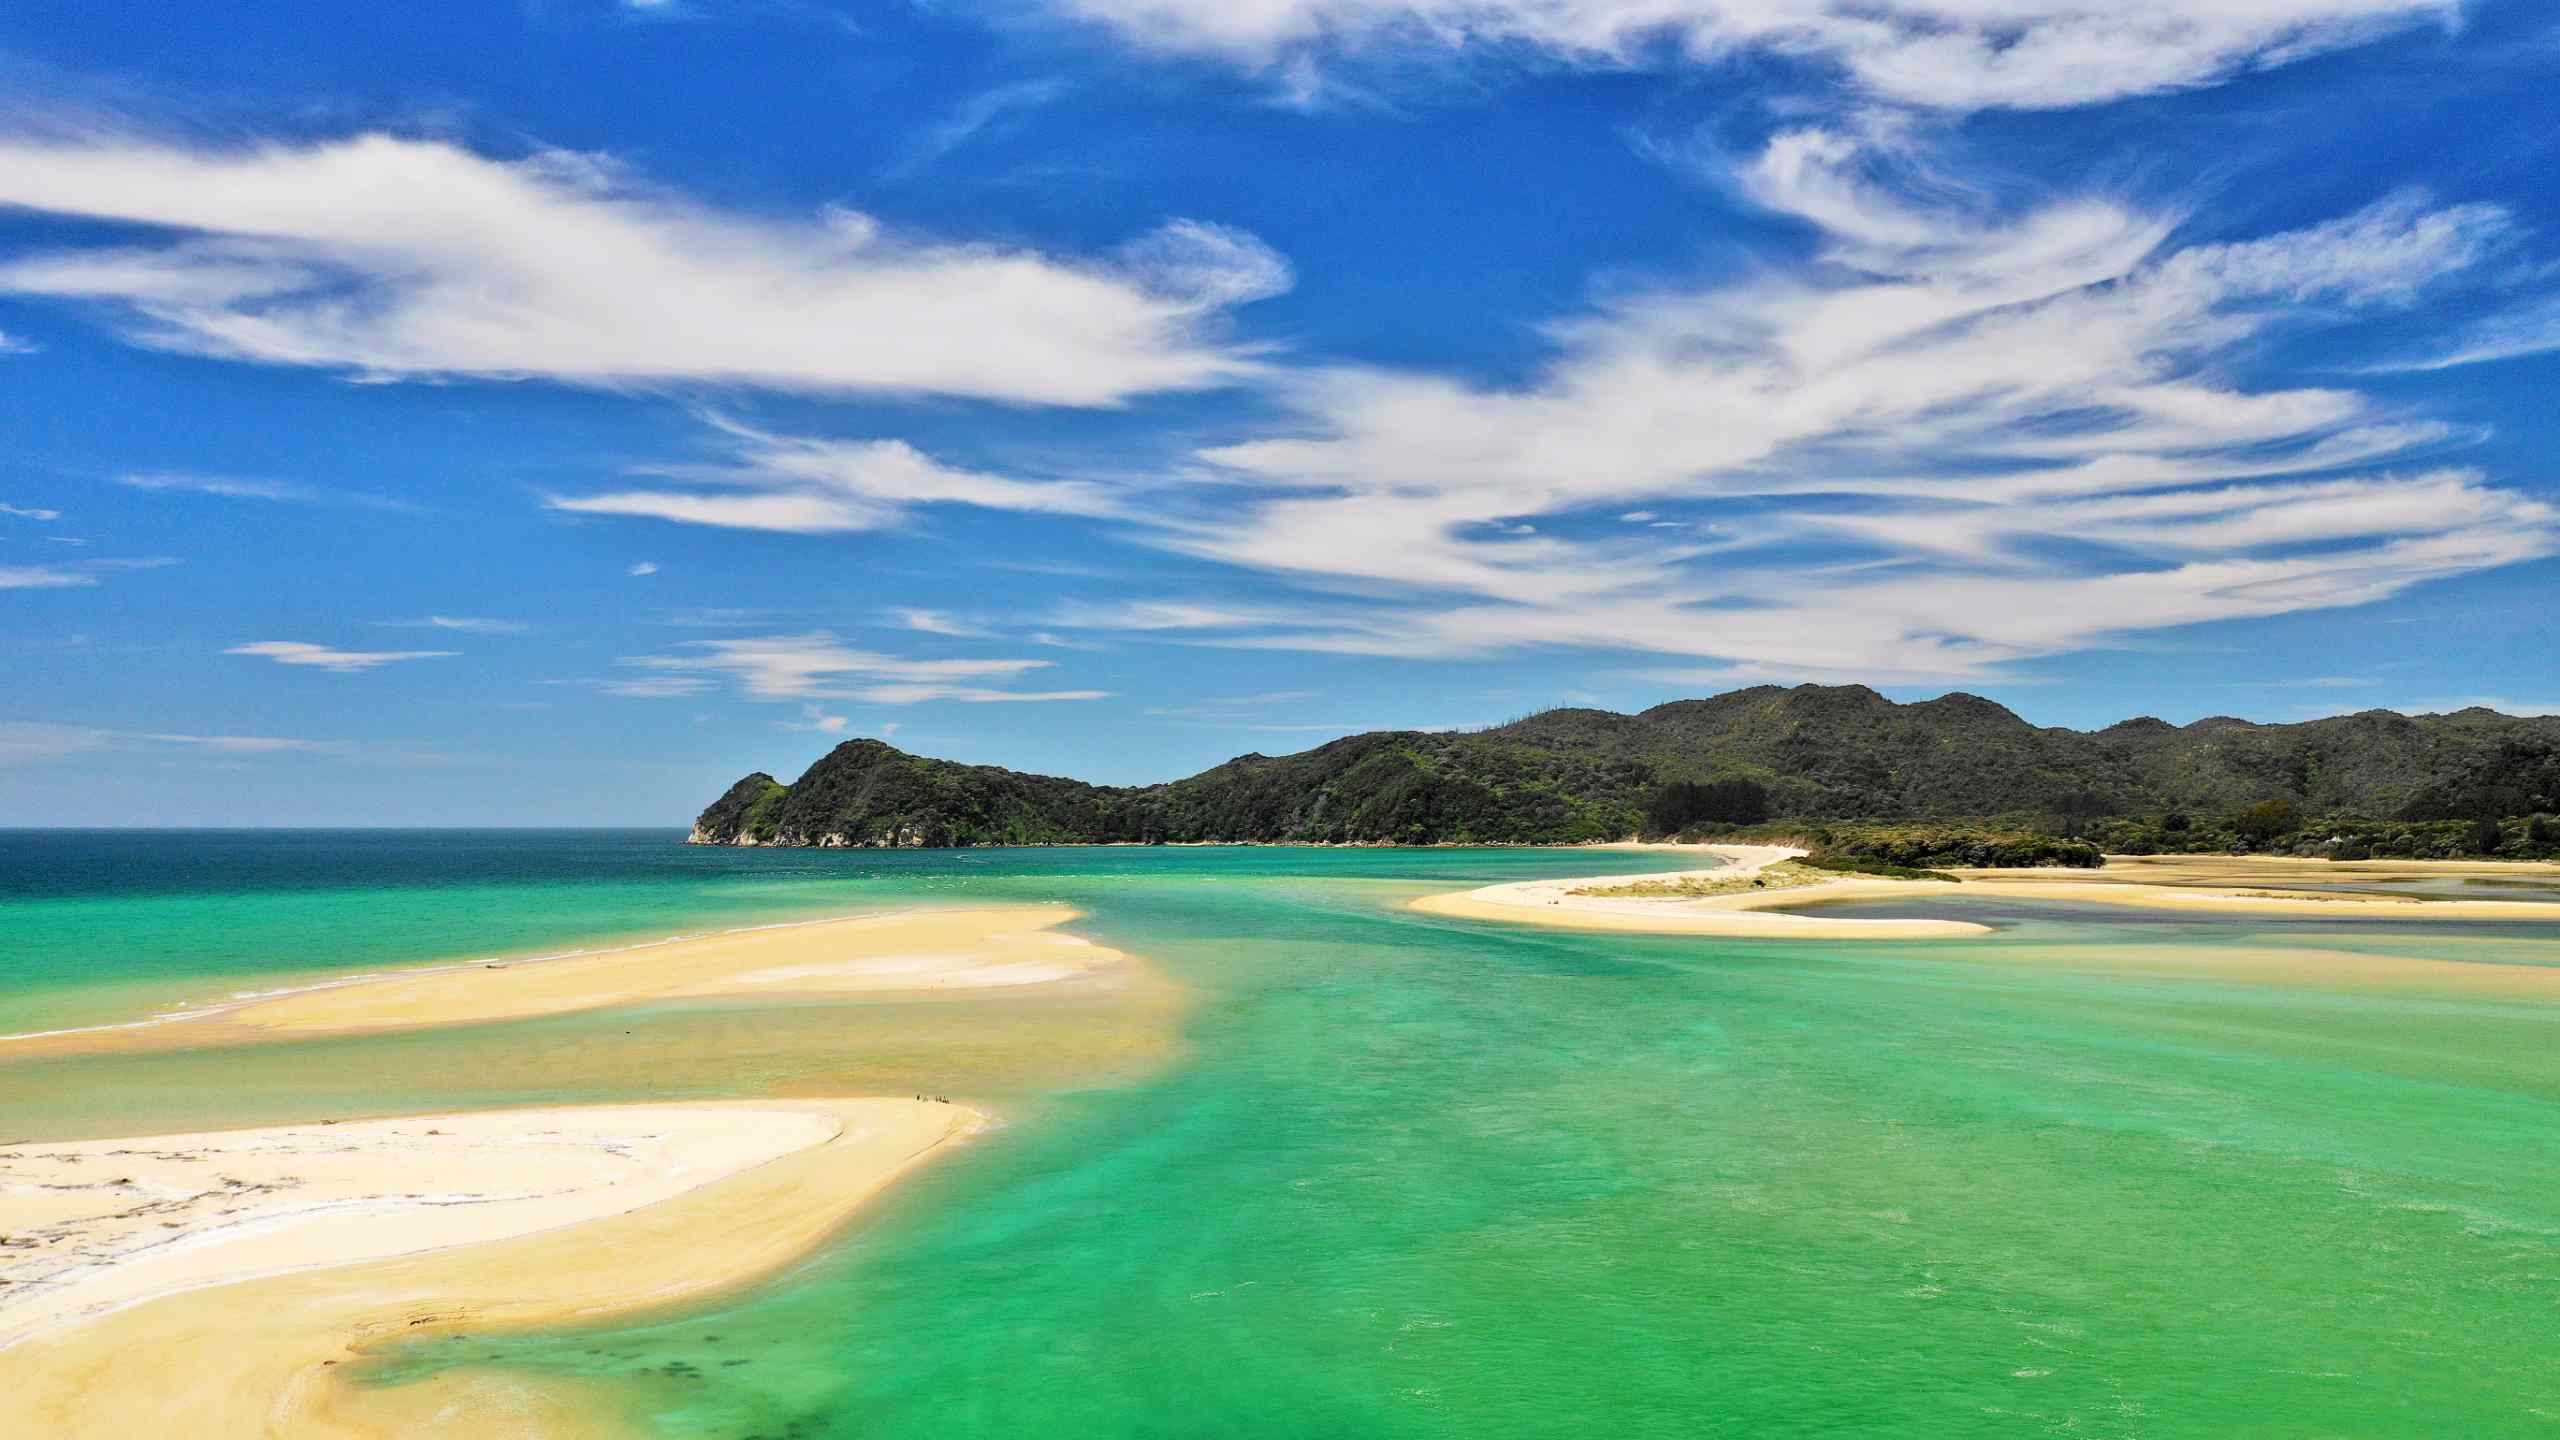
(2486, 834)
(2076, 808)
(1681, 804)
(2543, 830)
(2175, 822)
(2266, 821)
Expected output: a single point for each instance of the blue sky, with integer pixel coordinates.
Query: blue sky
(546, 412)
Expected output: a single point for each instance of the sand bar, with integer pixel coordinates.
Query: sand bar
(2268, 885)
(222, 1284)
(905, 953)
(1742, 915)
(2194, 884)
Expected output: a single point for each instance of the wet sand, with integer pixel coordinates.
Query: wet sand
(225, 1284)
(907, 953)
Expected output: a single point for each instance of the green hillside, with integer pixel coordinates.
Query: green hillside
(1818, 754)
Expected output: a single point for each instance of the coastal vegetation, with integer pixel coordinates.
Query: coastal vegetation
(1882, 870)
(1784, 875)
(1953, 782)
(1795, 874)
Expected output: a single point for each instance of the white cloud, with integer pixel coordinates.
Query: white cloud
(465, 624)
(792, 514)
(2024, 424)
(26, 513)
(814, 718)
(656, 687)
(937, 622)
(43, 577)
(1057, 641)
(34, 742)
(816, 666)
(11, 345)
(816, 487)
(1943, 54)
(396, 257)
(229, 487)
(344, 662)
(1196, 264)
(2532, 330)
(642, 568)
(235, 487)
(250, 744)
(1167, 615)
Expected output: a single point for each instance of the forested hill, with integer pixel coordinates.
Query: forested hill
(1810, 753)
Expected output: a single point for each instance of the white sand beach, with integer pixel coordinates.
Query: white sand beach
(251, 1267)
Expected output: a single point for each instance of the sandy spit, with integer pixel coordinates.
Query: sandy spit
(2194, 884)
(223, 1284)
(905, 953)
(1744, 915)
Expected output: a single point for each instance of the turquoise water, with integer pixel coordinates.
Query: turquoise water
(105, 925)
(2098, 1174)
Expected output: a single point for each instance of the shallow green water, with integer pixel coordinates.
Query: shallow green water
(1423, 1177)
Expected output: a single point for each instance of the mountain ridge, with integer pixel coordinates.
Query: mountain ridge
(1572, 775)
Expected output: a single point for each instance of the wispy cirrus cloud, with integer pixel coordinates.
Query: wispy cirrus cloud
(2023, 424)
(323, 657)
(35, 742)
(44, 577)
(809, 486)
(465, 624)
(79, 574)
(26, 512)
(1157, 615)
(938, 622)
(2532, 329)
(817, 666)
(1956, 55)
(986, 114)
(395, 257)
(241, 487)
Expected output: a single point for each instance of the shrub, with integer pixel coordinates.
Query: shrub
(1857, 865)
(2543, 830)
(1933, 848)
(2175, 822)
(2266, 821)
